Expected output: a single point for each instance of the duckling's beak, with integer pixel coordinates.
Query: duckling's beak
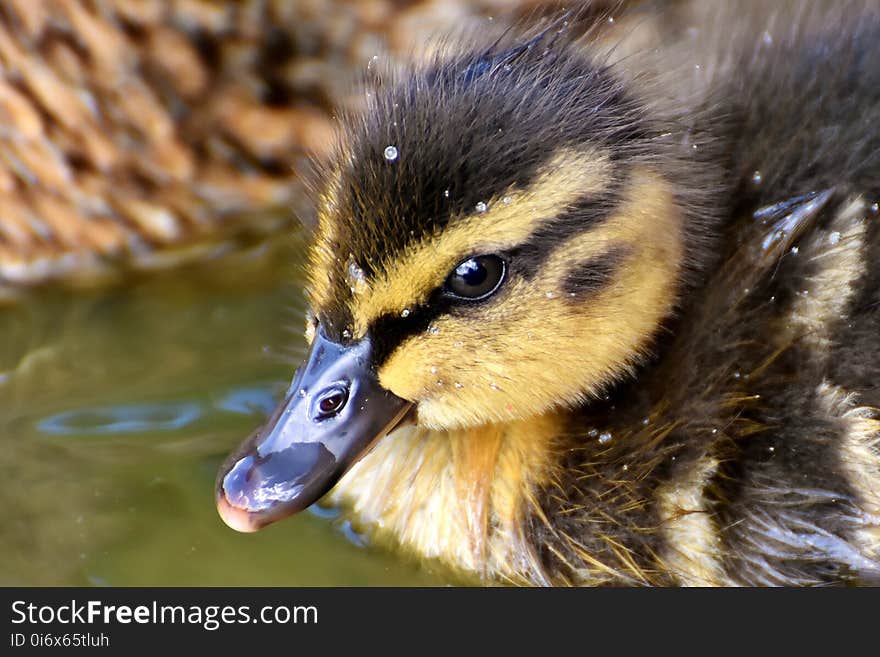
(334, 411)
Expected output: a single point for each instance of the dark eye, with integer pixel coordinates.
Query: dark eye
(476, 278)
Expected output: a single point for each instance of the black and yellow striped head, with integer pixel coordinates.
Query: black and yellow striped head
(501, 235)
(502, 228)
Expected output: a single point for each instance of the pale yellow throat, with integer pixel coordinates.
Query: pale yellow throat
(458, 496)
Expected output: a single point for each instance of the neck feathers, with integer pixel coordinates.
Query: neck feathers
(463, 497)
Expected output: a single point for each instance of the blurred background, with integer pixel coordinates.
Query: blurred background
(151, 240)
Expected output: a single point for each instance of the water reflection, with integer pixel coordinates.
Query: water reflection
(140, 418)
(116, 409)
(158, 417)
(256, 400)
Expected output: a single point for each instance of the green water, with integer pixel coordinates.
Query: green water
(117, 408)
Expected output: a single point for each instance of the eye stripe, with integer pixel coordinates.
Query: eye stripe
(587, 278)
(585, 214)
(389, 330)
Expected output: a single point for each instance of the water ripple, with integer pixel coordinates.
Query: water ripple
(159, 417)
(131, 418)
(255, 400)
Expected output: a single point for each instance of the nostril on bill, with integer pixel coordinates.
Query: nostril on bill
(329, 402)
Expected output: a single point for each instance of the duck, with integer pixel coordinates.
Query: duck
(584, 314)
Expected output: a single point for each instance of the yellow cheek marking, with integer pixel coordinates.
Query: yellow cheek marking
(508, 221)
(531, 349)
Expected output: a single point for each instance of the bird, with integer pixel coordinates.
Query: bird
(590, 314)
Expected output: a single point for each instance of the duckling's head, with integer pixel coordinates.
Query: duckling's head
(501, 235)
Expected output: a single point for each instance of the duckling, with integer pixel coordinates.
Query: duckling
(578, 319)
